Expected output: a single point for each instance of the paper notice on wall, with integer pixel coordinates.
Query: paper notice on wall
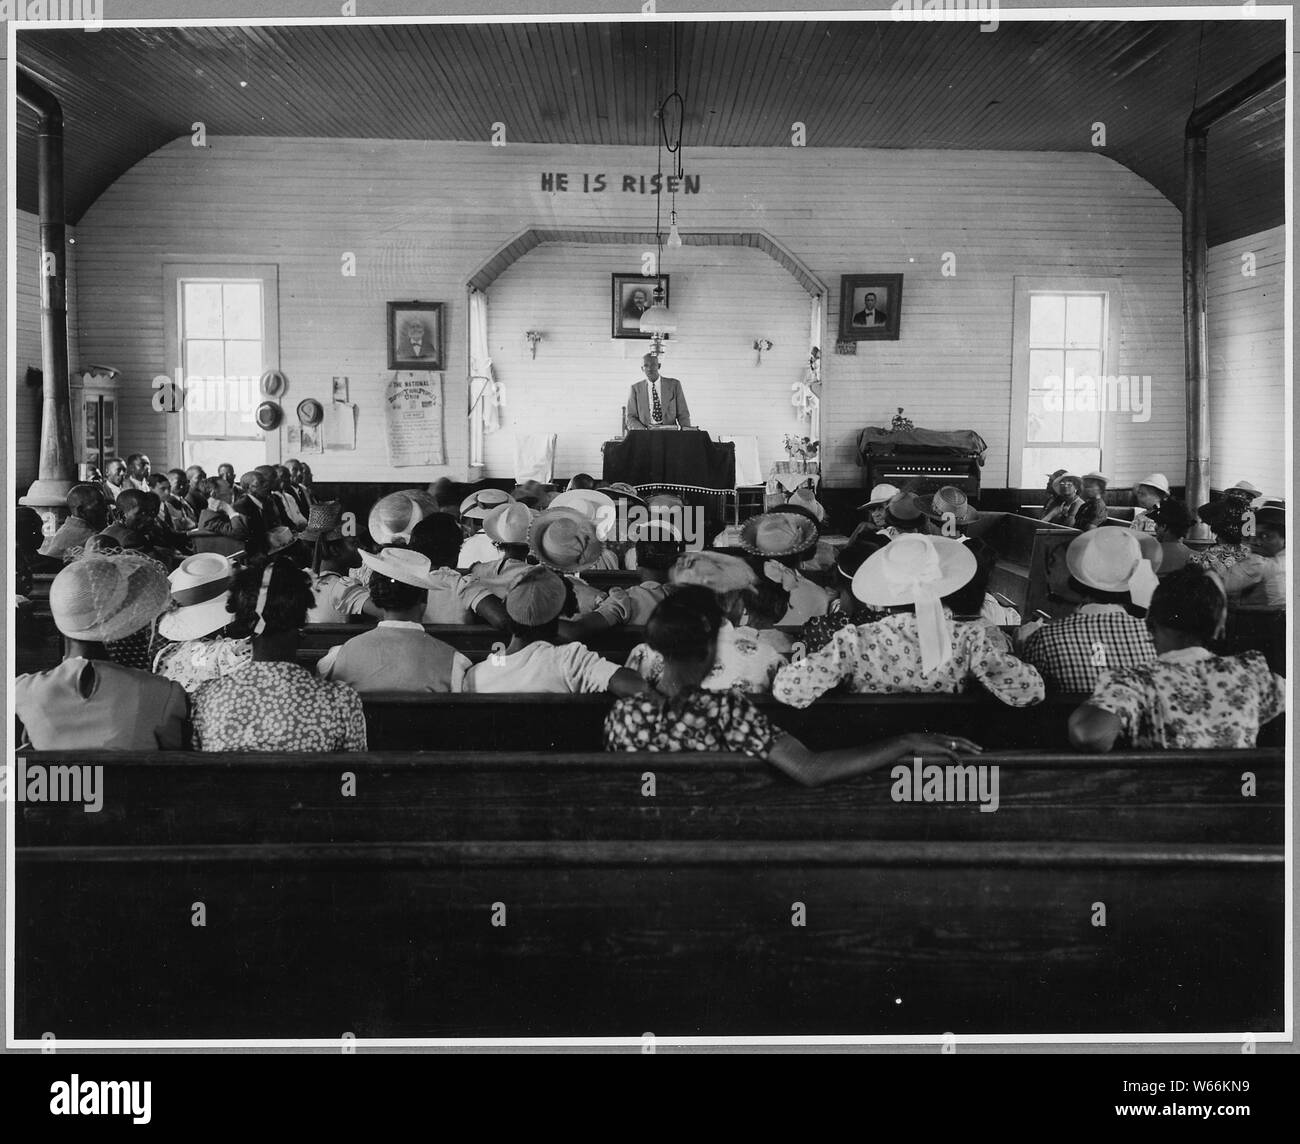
(339, 429)
(413, 419)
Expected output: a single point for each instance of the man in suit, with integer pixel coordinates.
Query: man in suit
(657, 402)
(869, 315)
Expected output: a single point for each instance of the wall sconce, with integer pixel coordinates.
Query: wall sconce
(760, 344)
(533, 337)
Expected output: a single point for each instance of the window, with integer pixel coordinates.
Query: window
(1065, 345)
(222, 336)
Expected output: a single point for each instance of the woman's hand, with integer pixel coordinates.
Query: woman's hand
(949, 746)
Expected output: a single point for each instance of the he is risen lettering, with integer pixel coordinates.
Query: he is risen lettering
(635, 184)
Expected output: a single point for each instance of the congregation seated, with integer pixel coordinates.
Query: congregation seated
(1173, 522)
(533, 661)
(88, 701)
(1149, 493)
(656, 546)
(681, 713)
(273, 703)
(507, 527)
(743, 660)
(477, 545)
(1187, 697)
(1224, 519)
(1064, 502)
(1100, 634)
(875, 509)
(399, 655)
(917, 647)
(252, 518)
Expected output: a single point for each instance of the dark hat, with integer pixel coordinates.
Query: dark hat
(310, 411)
(268, 416)
(323, 521)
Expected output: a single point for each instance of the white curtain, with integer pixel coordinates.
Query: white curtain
(487, 396)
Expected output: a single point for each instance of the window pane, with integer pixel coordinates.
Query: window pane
(1042, 423)
(244, 361)
(1044, 364)
(201, 313)
(1046, 320)
(243, 309)
(204, 359)
(1037, 464)
(1083, 320)
(204, 407)
(244, 455)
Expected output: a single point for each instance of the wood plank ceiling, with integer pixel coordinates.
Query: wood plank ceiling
(1033, 86)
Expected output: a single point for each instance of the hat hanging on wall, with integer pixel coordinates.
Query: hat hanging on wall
(273, 383)
(310, 411)
(268, 416)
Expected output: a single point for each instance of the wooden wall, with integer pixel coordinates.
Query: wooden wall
(26, 432)
(422, 218)
(1247, 317)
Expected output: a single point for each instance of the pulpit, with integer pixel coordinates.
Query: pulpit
(671, 458)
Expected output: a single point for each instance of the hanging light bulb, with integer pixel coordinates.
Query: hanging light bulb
(674, 235)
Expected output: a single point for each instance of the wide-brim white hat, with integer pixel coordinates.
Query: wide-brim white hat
(564, 540)
(892, 575)
(402, 564)
(597, 507)
(1104, 558)
(508, 523)
(106, 598)
(200, 589)
(881, 494)
(778, 534)
(1156, 481)
(478, 504)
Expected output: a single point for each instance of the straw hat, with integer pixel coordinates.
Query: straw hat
(881, 494)
(310, 411)
(778, 534)
(1100, 478)
(1156, 481)
(1242, 487)
(508, 523)
(1105, 558)
(106, 598)
(1067, 476)
(889, 577)
(952, 499)
(396, 514)
(597, 507)
(323, 521)
(478, 504)
(536, 598)
(402, 564)
(564, 540)
(200, 588)
(273, 383)
(713, 570)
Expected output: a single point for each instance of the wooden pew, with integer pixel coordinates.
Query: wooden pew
(1027, 569)
(625, 914)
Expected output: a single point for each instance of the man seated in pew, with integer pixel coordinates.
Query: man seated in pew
(1187, 698)
(1101, 634)
(88, 701)
(881, 495)
(532, 661)
(917, 647)
(87, 515)
(683, 713)
(507, 527)
(274, 704)
(174, 517)
(1150, 492)
(1173, 523)
(398, 654)
(1261, 579)
(205, 643)
(780, 541)
(136, 528)
(743, 660)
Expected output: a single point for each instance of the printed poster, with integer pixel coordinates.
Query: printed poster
(413, 419)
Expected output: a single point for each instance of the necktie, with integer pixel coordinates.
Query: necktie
(656, 410)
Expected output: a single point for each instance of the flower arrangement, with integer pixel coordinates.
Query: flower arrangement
(800, 448)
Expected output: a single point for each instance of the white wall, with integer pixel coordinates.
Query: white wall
(423, 217)
(723, 298)
(1247, 375)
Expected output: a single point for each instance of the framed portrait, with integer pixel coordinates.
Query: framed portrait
(632, 295)
(870, 307)
(415, 335)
